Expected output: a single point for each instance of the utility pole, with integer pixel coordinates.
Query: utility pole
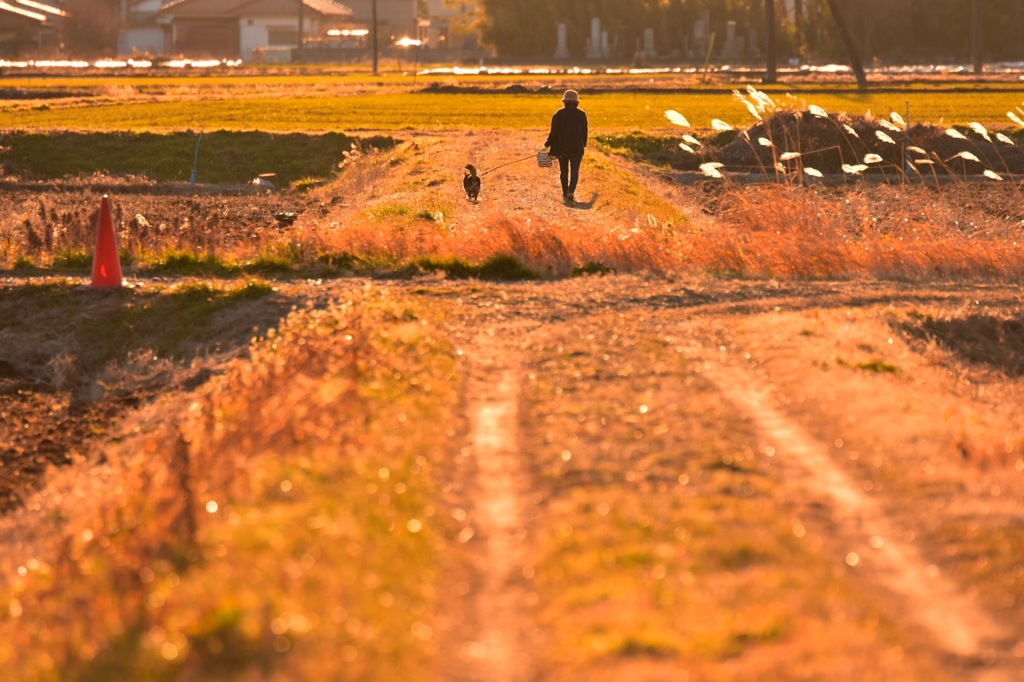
(798, 23)
(977, 37)
(302, 21)
(373, 38)
(771, 68)
(851, 50)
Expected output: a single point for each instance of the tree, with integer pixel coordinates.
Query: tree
(976, 37)
(464, 25)
(851, 50)
(91, 28)
(771, 73)
(893, 31)
(522, 29)
(374, 40)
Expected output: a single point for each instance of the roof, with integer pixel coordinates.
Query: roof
(33, 10)
(209, 9)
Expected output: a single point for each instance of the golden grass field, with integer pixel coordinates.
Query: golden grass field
(697, 430)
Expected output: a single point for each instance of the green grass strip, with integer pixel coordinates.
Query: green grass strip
(443, 111)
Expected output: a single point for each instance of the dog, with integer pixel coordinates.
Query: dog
(471, 182)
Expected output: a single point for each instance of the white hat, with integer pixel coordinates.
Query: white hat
(571, 96)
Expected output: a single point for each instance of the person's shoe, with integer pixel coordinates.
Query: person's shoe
(570, 198)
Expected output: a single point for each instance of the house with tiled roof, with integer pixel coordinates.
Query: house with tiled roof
(29, 26)
(242, 29)
(267, 30)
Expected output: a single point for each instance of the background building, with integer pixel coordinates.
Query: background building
(32, 27)
(242, 29)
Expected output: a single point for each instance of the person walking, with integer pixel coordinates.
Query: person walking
(567, 141)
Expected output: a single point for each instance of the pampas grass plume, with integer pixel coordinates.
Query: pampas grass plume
(884, 137)
(677, 118)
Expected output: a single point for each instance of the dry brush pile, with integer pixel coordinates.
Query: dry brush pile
(799, 144)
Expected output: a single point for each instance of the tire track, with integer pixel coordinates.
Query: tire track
(500, 648)
(954, 621)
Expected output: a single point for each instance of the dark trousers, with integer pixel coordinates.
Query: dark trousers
(569, 173)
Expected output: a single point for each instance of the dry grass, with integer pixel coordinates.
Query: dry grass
(56, 230)
(957, 232)
(387, 210)
(265, 527)
(889, 233)
(404, 208)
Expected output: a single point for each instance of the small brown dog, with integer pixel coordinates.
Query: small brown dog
(471, 182)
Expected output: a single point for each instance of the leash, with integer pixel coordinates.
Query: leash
(509, 163)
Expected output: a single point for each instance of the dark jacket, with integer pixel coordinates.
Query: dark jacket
(568, 136)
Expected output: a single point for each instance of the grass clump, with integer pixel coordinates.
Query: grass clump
(252, 290)
(191, 263)
(404, 213)
(72, 259)
(658, 150)
(592, 268)
(878, 366)
(341, 262)
(268, 265)
(307, 184)
(500, 267)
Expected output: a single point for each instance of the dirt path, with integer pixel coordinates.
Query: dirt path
(500, 648)
(522, 189)
(871, 537)
(953, 619)
(516, 187)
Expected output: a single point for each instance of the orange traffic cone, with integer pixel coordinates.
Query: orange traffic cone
(106, 264)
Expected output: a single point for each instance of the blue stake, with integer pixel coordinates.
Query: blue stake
(195, 163)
